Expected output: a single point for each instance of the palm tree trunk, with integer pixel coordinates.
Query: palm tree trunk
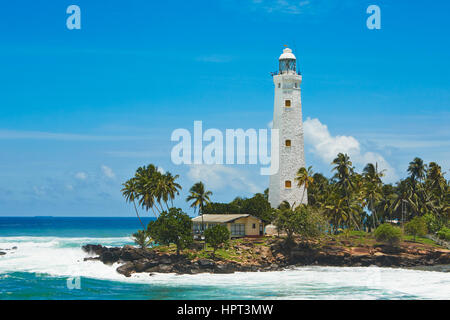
(303, 194)
(137, 213)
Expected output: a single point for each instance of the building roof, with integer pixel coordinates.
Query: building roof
(287, 54)
(220, 218)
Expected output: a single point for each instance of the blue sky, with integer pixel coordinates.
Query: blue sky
(80, 110)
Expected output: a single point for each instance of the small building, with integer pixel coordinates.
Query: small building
(239, 225)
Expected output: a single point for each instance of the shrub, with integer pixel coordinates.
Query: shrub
(388, 234)
(444, 234)
(174, 226)
(416, 227)
(141, 239)
(303, 221)
(433, 223)
(217, 235)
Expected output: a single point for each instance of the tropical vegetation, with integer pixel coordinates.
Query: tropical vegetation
(216, 236)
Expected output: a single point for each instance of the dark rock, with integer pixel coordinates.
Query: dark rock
(165, 260)
(14, 248)
(126, 269)
(206, 263)
(91, 258)
(108, 257)
(2, 253)
(129, 253)
(165, 268)
(144, 264)
(93, 248)
(223, 268)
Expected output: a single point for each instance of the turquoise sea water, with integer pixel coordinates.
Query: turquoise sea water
(48, 264)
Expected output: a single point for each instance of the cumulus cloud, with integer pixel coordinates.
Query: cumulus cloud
(218, 177)
(81, 175)
(108, 172)
(326, 147)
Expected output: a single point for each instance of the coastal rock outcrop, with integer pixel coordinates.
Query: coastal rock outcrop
(273, 255)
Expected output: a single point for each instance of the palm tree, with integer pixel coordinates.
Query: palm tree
(173, 187)
(146, 179)
(416, 170)
(200, 198)
(372, 192)
(141, 239)
(344, 172)
(130, 192)
(304, 178)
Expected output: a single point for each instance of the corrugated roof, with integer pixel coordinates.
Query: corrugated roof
(219, 218)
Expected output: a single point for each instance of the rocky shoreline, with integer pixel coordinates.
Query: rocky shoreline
(273, 256)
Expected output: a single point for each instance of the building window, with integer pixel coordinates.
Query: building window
(279, 85)
(287, 103)
(254, 226)
(237, 229)
(296, 85)
(287, 184)
(287, 143)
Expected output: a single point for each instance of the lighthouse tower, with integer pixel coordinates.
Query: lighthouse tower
(287, 118)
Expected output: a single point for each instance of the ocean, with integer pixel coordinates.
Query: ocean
(48, 264)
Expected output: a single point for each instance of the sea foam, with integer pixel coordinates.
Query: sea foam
(63, 257)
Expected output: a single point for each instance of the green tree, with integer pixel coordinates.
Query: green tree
(344, 173)
(173, 226)
(141, 239)
(372, 189)
(432, 222)
(131, 193)
(304, 179)
(199, 198)
(216, 236)
(388, 234)
(302, 221)
(416, 227)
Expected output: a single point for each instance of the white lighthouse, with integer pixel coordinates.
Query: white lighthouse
(287, 118)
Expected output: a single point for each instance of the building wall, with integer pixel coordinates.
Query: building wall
(290, 124)
(249, 221)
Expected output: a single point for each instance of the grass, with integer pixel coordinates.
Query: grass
(421, 240)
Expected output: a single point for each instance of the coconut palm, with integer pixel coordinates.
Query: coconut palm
(173, 187)
(131, 193)
(344, 172)
(304, 179)
(372, 192)
(416, 171)
(199, 197)
(142, 239)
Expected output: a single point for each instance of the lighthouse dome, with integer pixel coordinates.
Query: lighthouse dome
(287, 54)
(287, 62)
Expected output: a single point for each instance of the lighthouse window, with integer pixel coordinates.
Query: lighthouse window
(295, 85)
(287, 184)
(279, 85)
(287, 103)
(288, 143)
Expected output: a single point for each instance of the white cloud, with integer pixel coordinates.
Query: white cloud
(81, 175)
(108, 172)
(299, 7)
(217, 177)
(326, 147)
